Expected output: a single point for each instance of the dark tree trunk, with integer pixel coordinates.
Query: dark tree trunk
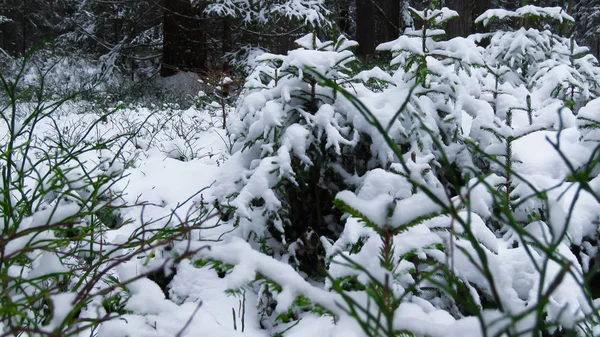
(344, 21)
(391, 20)
(565, 26)
(479, 7)
(461, 26)
(11, 30)
(184, 38)
(365, 27)
(227, 42)
(512, 4)
(24, 27)
(468, 11)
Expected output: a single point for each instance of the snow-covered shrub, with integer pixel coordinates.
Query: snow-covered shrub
(466, 207)
(69, 73)
(174, 132)
(538, 83)
(291, 139)
(410, 213)
(438, 74)
(450, 264)
(547, 64)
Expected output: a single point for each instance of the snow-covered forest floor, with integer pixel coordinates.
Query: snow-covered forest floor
(165, 171)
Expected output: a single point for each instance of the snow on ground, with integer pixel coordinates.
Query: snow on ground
(164, 182)
(171, 166)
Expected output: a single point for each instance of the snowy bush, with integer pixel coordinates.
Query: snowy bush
(291, 139)
(453, 221)
(548, 65)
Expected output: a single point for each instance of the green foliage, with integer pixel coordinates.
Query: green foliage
(219, 267)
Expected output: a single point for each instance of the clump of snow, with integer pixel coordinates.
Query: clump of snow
(62, 304)
(554, 13)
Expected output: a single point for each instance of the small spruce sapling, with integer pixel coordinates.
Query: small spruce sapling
(438, 73)
(539, 80)
(289, 136)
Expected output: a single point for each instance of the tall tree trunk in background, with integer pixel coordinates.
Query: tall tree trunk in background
(184, 38)
(11, 35)
(117, 26)
(365, 27)
(173, 38)
(524, 21)
(227, 42)
(344, 21)
(479, 7)
(391, 20)
(468, 11)
(565, 25)
(463, 25)
(24, 27)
